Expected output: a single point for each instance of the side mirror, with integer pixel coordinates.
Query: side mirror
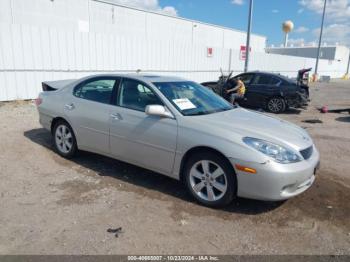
(158, 110)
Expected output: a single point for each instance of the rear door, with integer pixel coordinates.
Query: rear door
(88, 110)
(148, 141)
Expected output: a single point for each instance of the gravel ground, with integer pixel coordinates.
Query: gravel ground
(50, 205)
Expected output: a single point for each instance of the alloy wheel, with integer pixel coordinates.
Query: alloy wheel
(208, 180)
(63, 139)
(275, 105)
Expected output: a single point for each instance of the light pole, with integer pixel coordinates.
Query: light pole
(320, 40)
(247, 46)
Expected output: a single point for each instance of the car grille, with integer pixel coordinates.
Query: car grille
(306, 153)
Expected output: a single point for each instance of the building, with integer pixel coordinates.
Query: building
(95, 16)
(331, 53)
(44, 40)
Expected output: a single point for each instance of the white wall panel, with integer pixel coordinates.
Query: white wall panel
(63, 49)
(46, 50)
(11, 87)
(85, 48)
(54, 49)
(6, 44)
(71, 55)
(78, 50)
(28, 62)
(3, 87)
(5, 11)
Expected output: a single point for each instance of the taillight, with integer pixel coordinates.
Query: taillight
(38, 101)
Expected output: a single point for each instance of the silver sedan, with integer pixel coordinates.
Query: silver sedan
(180, 129)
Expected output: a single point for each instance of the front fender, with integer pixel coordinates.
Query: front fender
(229, 145)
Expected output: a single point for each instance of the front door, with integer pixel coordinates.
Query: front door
(148, 141)
(246, 78)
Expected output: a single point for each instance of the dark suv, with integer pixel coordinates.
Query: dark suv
(272, 92)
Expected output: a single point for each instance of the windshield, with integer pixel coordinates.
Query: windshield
(191, 98)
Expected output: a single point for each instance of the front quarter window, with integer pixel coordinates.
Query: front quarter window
(246, 78)
(191, 98)
(135, 95)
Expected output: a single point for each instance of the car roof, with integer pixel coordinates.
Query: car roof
(268, 74)
(148, 78)
(262, 73)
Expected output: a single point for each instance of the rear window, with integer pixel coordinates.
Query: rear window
(275, 81)
(98, 91)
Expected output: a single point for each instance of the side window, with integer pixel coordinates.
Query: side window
(262, 80)
(135, 95)
(98, 91)
(247, 78)
(275, 81)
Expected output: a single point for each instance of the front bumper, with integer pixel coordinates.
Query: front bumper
(274, 181)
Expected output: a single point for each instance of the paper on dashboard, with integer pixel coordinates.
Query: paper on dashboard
(184, 103)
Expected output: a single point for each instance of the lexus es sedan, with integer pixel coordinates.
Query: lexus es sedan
(183, 130)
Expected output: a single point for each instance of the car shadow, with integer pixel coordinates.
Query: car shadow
(105, 166)
(345, 119)
(292, 111)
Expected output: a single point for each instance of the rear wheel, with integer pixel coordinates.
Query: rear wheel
(64, 139)
(210, 179)
(276, 105)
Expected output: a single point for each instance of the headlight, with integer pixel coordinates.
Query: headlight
(279, 153)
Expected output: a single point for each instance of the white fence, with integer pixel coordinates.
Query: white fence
(31, 54)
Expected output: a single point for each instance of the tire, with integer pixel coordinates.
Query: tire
(212, 189)
(276, 105)
(64, 139)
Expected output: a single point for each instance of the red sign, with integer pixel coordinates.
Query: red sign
(243, 52)
(209, 51)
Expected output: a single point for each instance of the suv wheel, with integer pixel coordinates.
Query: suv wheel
(276, 105)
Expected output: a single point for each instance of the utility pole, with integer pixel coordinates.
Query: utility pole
(247, 46)
(320, 40)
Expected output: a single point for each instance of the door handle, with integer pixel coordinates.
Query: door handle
(69, 106)
(116, 116)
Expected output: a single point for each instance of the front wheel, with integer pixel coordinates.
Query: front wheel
(210, 179)
(276, 105)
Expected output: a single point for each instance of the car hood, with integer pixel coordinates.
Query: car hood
(258, 125)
